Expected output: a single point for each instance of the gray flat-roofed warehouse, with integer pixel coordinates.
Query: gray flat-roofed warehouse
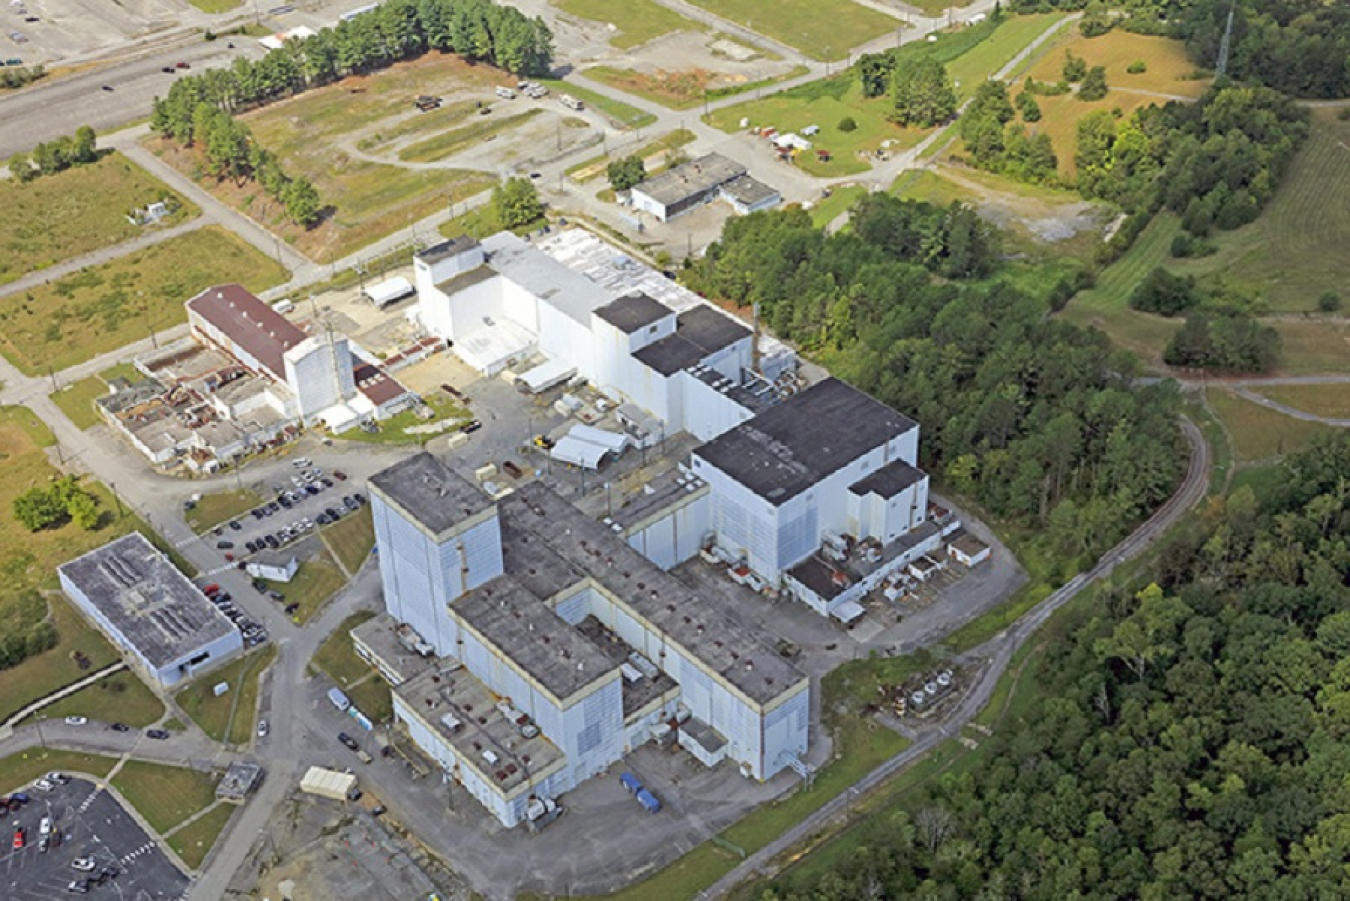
(699, 181)
(149, 609)
(793, 446)
(430, 493)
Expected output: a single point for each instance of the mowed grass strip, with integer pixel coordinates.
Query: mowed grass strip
(635, 21)
(1260, 433)
(59, 217)
(986, 58)
(351, 539)
(221, 507)
(164, 795)
(18, 770)
(76, 400)
(1331, 401)
(195, 840)
(820, 29)
(596, 166)
(451, 142)
(316, 580)
(335, 657)
(620, 114)
(101, 308)
(119, 698)
(231, 717)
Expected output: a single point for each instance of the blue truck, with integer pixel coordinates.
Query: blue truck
(648, 800)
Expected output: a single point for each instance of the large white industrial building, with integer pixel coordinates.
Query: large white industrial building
(164, 625)
(815, 490)
(562, 647)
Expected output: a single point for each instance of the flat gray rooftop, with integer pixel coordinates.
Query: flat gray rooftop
(462, 710)
(710, 329)
(889, 480)
(446, 249)
(749, 191)
(380, 636)
(146, 599)
(688, 621)
(430, 491)
(691, 179)
(528, 632)
(794, 445)
(671, 354)
(633, 311)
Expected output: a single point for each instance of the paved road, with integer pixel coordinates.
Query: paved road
(997, 653)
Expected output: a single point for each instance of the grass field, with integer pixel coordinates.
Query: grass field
(121, 697)
(1259, 433)
(220, 507)
(125, 371)
(825, 103)
(370, 200)
(231, 717)
(1168, 71)
(317, 580)
(216, 6)
(417, 124)
(1013, 34)
(620, 114)
(1332, 401)
(479, 222)
(101, 308)
(827, 209)
(44, 673)
(451, 142)
(17, 770)
(59, 217)
(194, 841)
(336, 660)
(76, 400)
(164, 795)
(682, 89)
(820, 29)
(635, 21)
(350, 540)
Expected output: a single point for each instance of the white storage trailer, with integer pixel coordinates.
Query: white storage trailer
(390, 291)
(330, 784)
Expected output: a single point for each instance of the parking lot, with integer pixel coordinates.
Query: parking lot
(87, 823)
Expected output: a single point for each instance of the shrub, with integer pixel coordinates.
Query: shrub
(1138, 67)
(1329, 302)
(1075, 67)
(1164, 293)
(1094, 84)
(848, 124)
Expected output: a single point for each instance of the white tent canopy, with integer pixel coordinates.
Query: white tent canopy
(612, 442)
(390, 290)
(578, 453)
(546, 375)
(848, 611)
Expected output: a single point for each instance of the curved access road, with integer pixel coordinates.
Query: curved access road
(997, 654)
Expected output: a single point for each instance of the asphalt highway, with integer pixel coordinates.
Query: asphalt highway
(50, 109)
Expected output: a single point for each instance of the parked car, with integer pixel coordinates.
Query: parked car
(119, 727)
(20, 838)
(348, 741)
(159, 734)
(182, 65)
(339, 475)
(234, 525)
(58, 778)
(79, 887)
(350, 503)
(83, 864)
(360, 498)
(43, 785)
(224, 545)
(76, 720)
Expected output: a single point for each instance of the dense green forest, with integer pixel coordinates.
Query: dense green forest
(1035, 418)
(1191, 738)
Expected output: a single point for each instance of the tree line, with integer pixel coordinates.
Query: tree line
(1189, 737)
(1036, 419)
(232, 152)
(12, 77)
(51, 157)
(478, 30)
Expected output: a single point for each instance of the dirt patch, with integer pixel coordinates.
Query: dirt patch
(1046, 221)
(722, 62)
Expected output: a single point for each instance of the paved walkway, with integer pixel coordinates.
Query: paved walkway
(147, 239)
(7, 728)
